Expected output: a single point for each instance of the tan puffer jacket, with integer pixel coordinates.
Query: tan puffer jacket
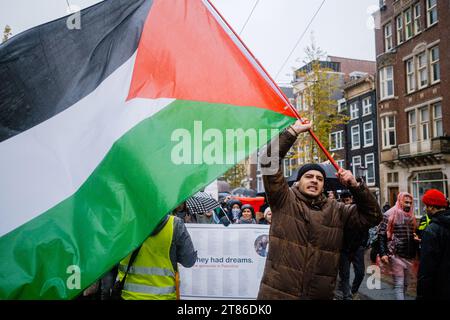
(306, 236)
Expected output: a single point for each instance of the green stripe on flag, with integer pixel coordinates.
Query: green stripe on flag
(117, 207)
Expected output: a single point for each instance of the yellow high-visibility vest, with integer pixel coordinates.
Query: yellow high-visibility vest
(425, 223)
(152, 276)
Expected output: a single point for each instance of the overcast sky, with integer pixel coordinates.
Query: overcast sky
(341, 27)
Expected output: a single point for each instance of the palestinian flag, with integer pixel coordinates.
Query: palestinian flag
(97, 126)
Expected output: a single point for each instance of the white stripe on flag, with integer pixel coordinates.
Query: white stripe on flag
(48, 163)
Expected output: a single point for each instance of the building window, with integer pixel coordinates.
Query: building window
(386, 82)
(342, 106)
(422, 70)
(417, 26)
(370, 166)
(354, 111)
(367, 106)
(368, 134)
(424, 123)
(432, 15)
(388, 37)
(356, 143)
(434, 65)
(412, 120)
(288, 165)
(341, 163)
(423, 181)
(388, 128)
(438, 130)
(356, 164)
(336, 140)
(400, 34)
(408, 24)
(410, 76)
(392, 177)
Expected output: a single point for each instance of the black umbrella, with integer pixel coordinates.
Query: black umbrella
(244, 192)
(331, 181)
(201, 202)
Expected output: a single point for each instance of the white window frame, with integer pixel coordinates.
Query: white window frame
(412, 124)
(422, 69)
(354, 110)
(370, 180)
(417, 15)
(436, 120)
(354, 162)
(388, 38)
(353, 134)
(430, 10)
(367, 106)
(336, 140)
(424, 124)
(341, 163)
(400, 29)
(384, 82)
(410, 75)
(433, 63)
(409, 30)
(386, 130)
(368, 144)
(288, 164)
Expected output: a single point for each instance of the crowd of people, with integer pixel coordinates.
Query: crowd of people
(230, 211)
(315, 237)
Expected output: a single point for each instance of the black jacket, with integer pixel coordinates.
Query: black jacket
(434, 270)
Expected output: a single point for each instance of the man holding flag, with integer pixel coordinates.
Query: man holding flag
(307, 230)
(87, 123)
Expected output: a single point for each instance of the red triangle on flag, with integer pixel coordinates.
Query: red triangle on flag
(185, 53)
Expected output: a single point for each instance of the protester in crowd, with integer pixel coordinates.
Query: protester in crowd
(331, 195)
(346, 197)
(396, 239)
(248, 215)
(352, 253)
(234, 210)
(208, 217)
(434, 270)
(267, 217)
(182, 212)
(386, 207)
(151, 275)
(307, 224)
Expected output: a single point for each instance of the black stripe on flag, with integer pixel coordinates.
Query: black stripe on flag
(45, 70)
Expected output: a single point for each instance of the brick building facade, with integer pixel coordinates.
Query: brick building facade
(413, 75)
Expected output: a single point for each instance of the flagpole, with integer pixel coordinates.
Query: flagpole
(279, 91)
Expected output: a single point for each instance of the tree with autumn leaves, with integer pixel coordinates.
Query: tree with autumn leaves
(317, 87)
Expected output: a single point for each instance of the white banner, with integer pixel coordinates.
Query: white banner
(230, 261)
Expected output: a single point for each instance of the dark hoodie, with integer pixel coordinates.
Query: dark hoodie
(434, 270)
